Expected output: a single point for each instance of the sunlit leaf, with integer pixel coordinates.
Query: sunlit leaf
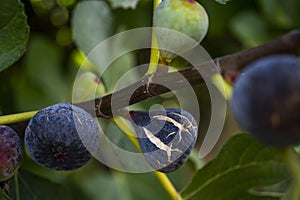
(14, 32)
(242, 164)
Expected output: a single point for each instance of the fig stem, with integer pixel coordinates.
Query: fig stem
(18, 117)
(293, 161)
(127, 130)
(224, 87)
(156, 3)
(167, 184)
(154, 55)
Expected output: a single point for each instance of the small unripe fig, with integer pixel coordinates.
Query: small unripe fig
(87, 86)
(166, 137)
(11, 152)
(266, 100)
(185, 16)
(61, 136)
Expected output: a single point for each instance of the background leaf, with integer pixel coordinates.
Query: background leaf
(91, 23)
(3, 196)
(33, 187)
(45, 81)
(112, 184)
(96, 19)
(250, 29)
(14, 32)
(241, 165)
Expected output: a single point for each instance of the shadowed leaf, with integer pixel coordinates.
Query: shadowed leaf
(14, 32)
(241, 165)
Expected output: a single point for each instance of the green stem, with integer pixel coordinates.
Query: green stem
(18, 117)
(17, 190)
(127, 130)
(153, 67)
(293, 161)
(154, 55)
(156, 3)
(222, 85)
(167, 184)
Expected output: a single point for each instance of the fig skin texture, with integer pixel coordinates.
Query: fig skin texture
(11, 152)
(62, 137)
(266, 100)
(166, 137)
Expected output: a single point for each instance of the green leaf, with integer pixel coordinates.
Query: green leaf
(34, 187)
(274, 11)
(250, 28)
(92, 23)
(14, 32)
(222, 1)
(124, 3)
(3, 196)
(276, 190)
(241, 165)
(101, 184)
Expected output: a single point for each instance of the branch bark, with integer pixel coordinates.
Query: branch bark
(155, 84)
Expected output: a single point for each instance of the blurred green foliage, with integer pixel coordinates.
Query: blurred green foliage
(46, 72)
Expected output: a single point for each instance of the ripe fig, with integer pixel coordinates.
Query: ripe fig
(266, 100)
(11, 152)
(166, 137)
(61, 137)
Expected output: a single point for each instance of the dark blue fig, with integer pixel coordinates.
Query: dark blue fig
(61, 137)
(266, 100)
(166, 137)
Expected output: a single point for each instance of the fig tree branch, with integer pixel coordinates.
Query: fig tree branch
(157, 84)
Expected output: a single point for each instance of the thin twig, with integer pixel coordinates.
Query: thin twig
(155, 84)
